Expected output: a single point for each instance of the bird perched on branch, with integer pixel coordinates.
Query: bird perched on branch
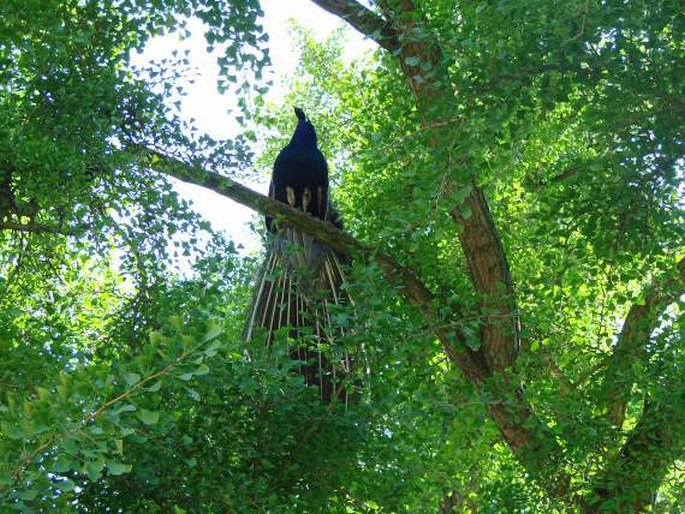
(300, 174)
(302, 277)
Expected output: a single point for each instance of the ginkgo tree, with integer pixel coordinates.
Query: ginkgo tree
(510, 179)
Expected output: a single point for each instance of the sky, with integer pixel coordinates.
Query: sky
(209, 108)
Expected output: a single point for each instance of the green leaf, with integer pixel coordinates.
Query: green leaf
(148, 417)
(126, 431)
(94, 468)
(66, 485)
(131, 378)
(213, 332)
(63, 463)
(155, 387)
(202, 369)
(188, 341)
(69, 446)
(127, 407)
(28, 495)
(118, 468)
(193, 394)
(156, 338)
(212, 349)
(11, 431)
(176, 322)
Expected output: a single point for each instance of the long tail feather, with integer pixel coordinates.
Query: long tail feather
(300, 279)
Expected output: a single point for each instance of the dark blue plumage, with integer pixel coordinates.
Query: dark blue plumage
(300, 172)
(302, 277)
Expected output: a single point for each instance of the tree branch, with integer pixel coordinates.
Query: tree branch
(637, 328)
(421, 60)
(513, 416)
(491, 278)
(633, 476)
(364, 20)
(453, 343)
(31, 227)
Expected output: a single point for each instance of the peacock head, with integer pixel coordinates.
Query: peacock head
(304, 135)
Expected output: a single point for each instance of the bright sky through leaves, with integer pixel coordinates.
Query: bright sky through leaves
(208, 107)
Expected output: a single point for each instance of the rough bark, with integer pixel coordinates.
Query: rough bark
(632, 477)
(421, 60)
(620, 374)
(491, 278)
(365, 21)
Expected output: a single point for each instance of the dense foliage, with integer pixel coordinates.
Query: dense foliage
(523, 161)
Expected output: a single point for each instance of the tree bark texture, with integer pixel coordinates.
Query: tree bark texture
(629, 350)
(420, 58)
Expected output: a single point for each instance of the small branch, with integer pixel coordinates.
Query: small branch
(581, 31)
(19, 469)
(619, 376)
(569, 172)
(135, 387)
(565, 384)
(24, 461)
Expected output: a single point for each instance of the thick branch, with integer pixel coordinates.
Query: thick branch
(639, 324)
(633, 476)
(453, 343)
(364, 20)
(491, 278)
(421, 60)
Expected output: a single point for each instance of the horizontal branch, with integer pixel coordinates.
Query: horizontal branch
(513, 416)
(414, 290)
(31, 227)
